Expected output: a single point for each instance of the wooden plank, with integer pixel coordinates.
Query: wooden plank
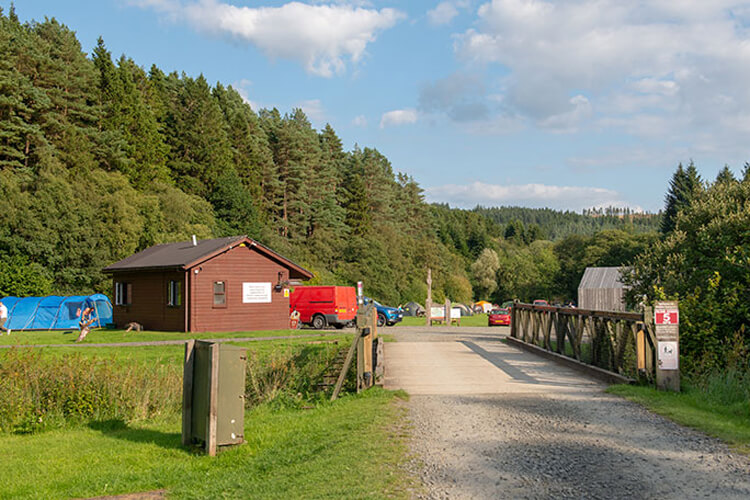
(187, 393)
(345, 368)
(213, 397)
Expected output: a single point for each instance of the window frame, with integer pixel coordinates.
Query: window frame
(214, 294)
(123, 293)
(174, 293)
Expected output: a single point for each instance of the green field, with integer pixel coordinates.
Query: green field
(101, 336)
(298, 446)
(351, 448)
(476, 320)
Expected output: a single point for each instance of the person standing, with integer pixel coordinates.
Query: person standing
(4, 317)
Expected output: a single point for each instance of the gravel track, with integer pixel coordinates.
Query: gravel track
(558, 443)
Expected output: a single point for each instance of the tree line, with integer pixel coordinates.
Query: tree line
(101, 158)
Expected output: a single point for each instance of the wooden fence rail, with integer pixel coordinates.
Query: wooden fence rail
(620, 342)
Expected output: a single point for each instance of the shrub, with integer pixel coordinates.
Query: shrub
(38, 392)
(292, 376)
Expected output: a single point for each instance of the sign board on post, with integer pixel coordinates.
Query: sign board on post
(667, 330)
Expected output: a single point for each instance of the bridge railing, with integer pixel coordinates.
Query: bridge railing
(620, 342)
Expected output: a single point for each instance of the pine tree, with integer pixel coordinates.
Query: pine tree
(725, 176)
(683, 187)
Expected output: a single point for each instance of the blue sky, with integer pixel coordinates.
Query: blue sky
(566, 104)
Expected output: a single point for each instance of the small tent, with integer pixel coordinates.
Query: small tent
(55, 312)
(483, 305)
(413, 309)
(465, 310)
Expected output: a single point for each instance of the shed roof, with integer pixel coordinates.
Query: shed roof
(184, 255)
(601, 277)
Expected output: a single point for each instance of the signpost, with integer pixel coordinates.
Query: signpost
(428, 302)
(667, 330)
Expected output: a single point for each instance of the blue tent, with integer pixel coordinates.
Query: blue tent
(55, 312)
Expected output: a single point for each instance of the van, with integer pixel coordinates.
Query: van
(321, 306)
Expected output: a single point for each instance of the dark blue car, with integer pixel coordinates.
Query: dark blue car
(386, 315)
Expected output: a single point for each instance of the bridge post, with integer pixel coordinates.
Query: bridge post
(666, 320)
(514, 319)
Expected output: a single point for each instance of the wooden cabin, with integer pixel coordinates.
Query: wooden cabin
(223, 284)
(601, 289)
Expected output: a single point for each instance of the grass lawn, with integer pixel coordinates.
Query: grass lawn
(101, 336)
(476, 320)
(351, 448)
(692, 408)
(174, 354)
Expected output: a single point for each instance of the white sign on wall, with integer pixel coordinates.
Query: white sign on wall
(668, 355)
(256, 293)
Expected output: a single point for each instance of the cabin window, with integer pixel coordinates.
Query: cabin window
(220, 294)
(174, 294)
(123, 293)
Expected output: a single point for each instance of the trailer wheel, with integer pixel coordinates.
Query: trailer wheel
(319, 322)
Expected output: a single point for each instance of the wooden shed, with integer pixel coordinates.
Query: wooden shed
(601, 289)
(224, 284)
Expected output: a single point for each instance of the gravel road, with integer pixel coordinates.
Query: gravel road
(542, 431)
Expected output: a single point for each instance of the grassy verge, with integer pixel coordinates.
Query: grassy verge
(714, 411)
(476, 320)
(348, 449)
(102, 336)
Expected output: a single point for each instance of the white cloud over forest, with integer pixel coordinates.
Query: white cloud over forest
(323, 38)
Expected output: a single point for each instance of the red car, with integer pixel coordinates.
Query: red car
(541, 302)
(498, 317)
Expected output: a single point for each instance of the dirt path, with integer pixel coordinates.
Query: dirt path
(490, 421)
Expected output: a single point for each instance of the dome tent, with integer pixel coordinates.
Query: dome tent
(55, 312)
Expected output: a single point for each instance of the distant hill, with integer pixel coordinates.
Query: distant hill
(557, 224)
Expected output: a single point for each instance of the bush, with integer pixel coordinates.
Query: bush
(37, 393)
(291, 377)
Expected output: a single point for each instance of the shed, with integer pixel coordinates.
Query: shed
(601, 289)
(223, 284)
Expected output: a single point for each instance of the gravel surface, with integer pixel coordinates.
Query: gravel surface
(560, 444)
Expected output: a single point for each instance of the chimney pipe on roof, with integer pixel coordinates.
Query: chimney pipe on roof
(195, 241)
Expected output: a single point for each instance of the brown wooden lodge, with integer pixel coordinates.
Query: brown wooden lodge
(224, 284)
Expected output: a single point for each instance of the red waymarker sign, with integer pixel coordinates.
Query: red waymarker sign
(667, 317)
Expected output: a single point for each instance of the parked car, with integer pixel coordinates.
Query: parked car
(320, 306)
(386, 315)
(506, 304)
(498, 317)
(541, 302)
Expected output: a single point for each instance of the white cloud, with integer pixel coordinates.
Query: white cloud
(530, 195)
(359, 121)
(323, 38)
(676, 69)
(398, 117)
(313, 109)
(442, 14)
(445, 12)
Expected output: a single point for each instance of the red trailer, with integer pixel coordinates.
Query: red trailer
(321, 306)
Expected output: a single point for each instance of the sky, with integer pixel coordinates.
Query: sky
(567, 104)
